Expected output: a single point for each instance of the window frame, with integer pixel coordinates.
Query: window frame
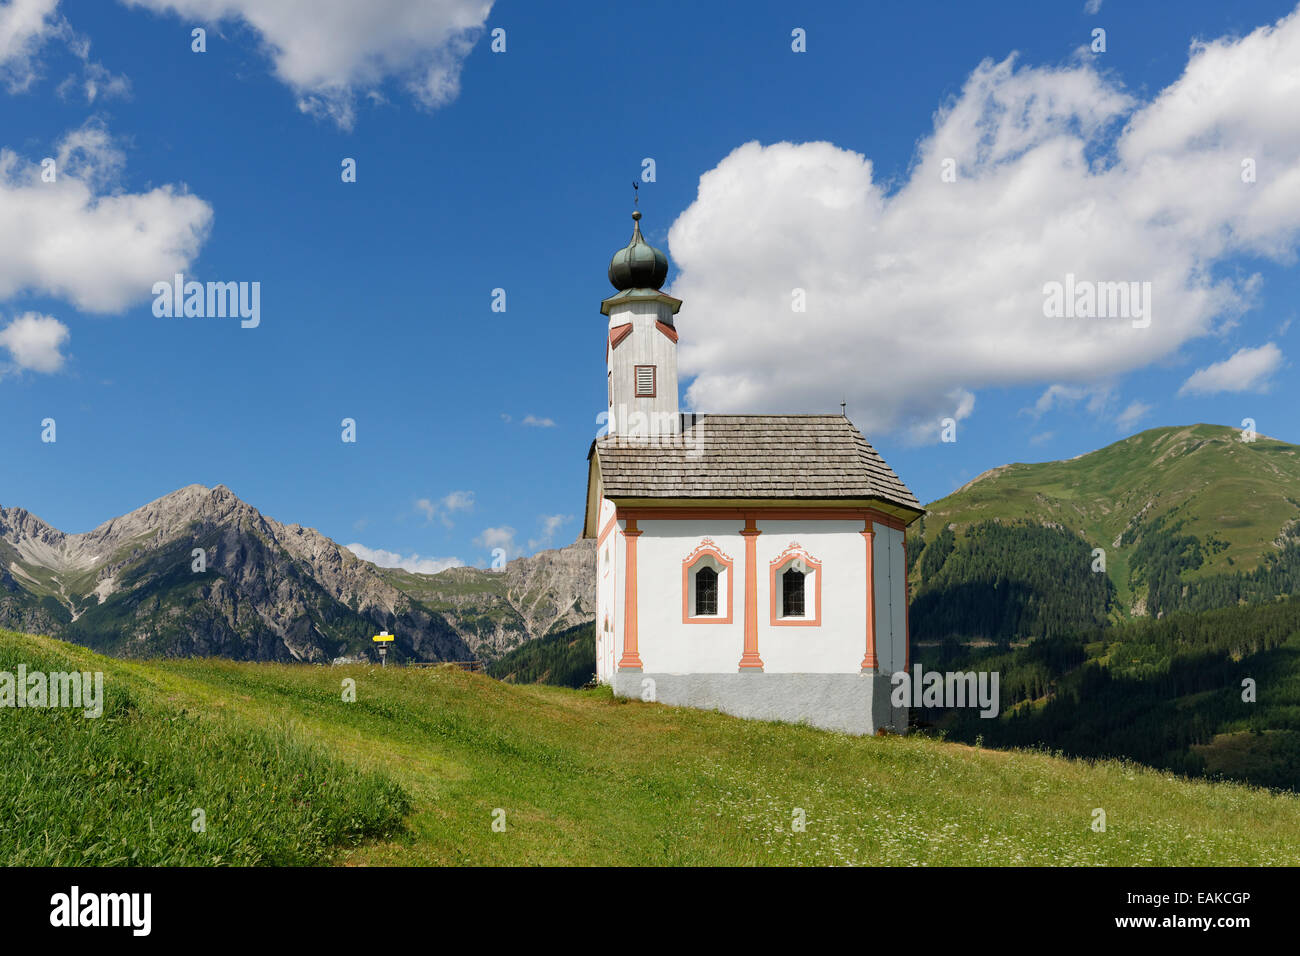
(812, 617)
(708, 550)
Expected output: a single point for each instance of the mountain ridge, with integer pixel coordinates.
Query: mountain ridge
(1174, 509)
(269, 590)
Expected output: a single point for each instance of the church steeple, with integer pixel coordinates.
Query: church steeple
(641, 350)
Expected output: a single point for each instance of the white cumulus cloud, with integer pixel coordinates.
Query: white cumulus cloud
(329, 52)
(917, 297)
(35, 341)
(1246, 370)
(81, 238)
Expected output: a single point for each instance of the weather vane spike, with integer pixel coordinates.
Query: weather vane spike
(636, 192)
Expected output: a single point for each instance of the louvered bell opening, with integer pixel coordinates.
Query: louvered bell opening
(645, 381)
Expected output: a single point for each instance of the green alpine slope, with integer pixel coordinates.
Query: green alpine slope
(1188, 517)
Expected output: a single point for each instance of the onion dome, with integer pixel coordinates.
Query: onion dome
(638, 265)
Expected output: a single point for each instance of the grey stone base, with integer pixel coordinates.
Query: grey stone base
(850, 703)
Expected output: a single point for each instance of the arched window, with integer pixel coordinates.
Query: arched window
(796, 588)
(792, 603)
(706, 591)
(706, 585)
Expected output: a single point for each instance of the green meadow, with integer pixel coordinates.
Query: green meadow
(419, 768)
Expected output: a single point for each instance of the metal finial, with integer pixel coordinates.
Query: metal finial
(843, 405)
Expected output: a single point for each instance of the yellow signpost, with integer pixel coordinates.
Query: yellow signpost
(382, 639)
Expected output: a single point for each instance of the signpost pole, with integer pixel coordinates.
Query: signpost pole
(383, 639)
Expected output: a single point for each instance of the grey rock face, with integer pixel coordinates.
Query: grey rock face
(496, 611)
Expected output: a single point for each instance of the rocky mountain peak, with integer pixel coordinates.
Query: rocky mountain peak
(32, 538)
(162, 520)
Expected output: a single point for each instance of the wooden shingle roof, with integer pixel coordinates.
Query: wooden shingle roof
(750, 456)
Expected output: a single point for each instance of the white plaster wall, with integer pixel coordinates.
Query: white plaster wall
(839, 643)
(667, 645)
(645, 345)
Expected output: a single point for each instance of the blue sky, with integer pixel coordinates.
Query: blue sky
(513, 170)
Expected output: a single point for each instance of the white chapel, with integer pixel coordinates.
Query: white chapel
(752, 564)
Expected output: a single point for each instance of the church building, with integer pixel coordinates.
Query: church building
(752, 564)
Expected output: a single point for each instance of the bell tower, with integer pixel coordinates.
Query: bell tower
(641, 350)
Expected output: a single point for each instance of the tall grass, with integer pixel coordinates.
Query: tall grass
(124, 788)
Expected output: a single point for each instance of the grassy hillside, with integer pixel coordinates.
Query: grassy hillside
(581, 778)
(1171, 506)
(123, 788)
